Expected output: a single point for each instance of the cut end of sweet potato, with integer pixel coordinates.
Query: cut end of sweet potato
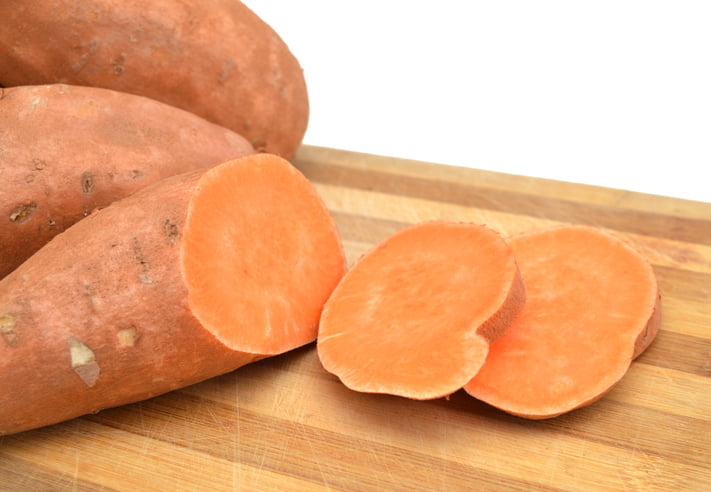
(592, 306)
(414, 317)
(260, 255)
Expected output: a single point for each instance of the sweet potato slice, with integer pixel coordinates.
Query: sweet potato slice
(592, 306)
(415, 316)
(189, 278)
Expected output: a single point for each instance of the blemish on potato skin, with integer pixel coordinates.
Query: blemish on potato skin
(36, 102)
(259, 143)
(127, 337)
(22, 212)
(227, 69)
(7, 324)
(171, 231)
(83, 361)
(86, 53)
(87, 183)
(118, 64)
(144, 277)
(90, 293)
(39, 164)
(137, 174)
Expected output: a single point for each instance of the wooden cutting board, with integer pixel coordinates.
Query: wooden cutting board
(285, 424)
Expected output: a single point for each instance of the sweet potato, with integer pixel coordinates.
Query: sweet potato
(592, 306)
(215, 58)
(186, 279)
(66, 150)
(415, 316)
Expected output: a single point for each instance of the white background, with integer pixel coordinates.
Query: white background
(611, 93)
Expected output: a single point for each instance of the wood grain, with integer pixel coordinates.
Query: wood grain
(286, 424)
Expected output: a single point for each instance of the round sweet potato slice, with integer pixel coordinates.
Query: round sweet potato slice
(592, 306)
(415, 316)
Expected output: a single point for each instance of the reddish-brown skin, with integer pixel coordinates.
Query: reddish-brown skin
(113, 285)
(215, 58)
(66, 150)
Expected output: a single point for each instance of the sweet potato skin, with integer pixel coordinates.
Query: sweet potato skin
(66, 150)
(215, 58)
(99, 316)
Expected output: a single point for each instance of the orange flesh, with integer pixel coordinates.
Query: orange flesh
(260, 255)
(407, 318)
(590, 301)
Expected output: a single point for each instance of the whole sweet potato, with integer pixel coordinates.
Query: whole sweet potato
(215, 58)
(66, 150)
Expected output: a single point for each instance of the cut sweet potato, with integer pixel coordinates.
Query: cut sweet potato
(592, 307)
(66, 150)
(189, 278)
(415, 316)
